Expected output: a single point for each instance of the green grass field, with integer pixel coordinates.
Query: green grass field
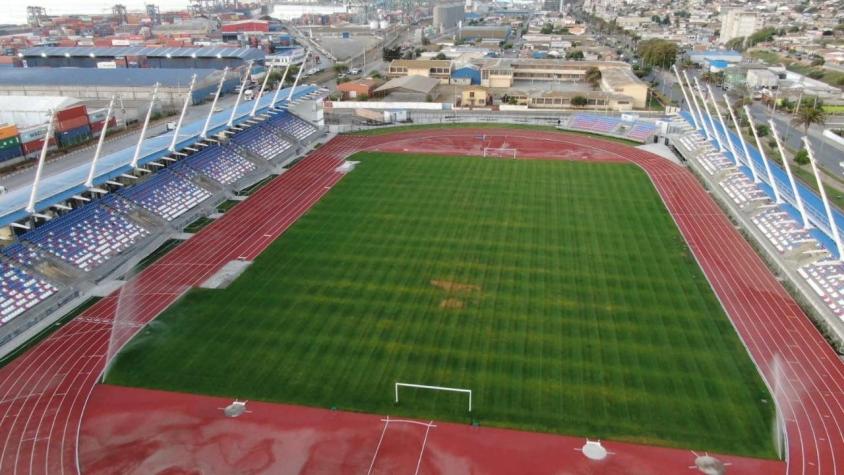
(560, 292)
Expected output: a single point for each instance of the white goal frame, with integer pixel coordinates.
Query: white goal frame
(435, 388)
(500, 152)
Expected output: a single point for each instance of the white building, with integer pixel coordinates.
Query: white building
(736, 23)
(293, 56)
(761, 78)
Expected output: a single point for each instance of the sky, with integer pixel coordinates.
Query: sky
(15, 11)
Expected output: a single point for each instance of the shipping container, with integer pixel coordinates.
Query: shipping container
(8, 130)
(75, 136)
(10, 153)
(96, 127)
(97, 115)
(35, 146)
(72, 113)
(9, 142)
(33, 133)
(75, 123)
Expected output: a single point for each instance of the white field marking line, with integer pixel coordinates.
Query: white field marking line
(378, 447)
(424, 443)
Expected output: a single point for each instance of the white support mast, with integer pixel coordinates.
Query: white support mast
(697, 107)
(746, 153)
(33, 194)
(182, 115)
(204, 133)
(89, 182)
(768, 171)
(137, 155)
(829, 215)
(280, 85)
(709, 115)
(685, 96)
(261, 92)
(239, 94)
(298, 75)
(724, 127)
(794, 190)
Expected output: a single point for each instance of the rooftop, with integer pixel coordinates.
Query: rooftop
(411, 83)
(421, 63)
(154, 52)
(126, 77)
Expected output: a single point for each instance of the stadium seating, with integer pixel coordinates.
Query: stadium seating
(168, 194)
(641, 131)
(594, 123)
(292, 125)
(20, 291)
(782, 231)
(827, 280)
(220, 163)
(28, 256)
(262, 142)
(88, 236)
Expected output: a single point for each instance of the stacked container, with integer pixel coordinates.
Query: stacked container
(97, 120)
(72, 126)
(10, 144)
(32, 139)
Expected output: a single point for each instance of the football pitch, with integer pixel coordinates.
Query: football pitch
(561, 293)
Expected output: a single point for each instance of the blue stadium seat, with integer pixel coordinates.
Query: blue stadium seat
(168, 193)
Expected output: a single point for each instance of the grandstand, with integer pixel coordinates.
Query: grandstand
(636, 130)
(76, 229)
(20, 291)
(168, 194)
(88, 236)
(262, 142)
(811, 254)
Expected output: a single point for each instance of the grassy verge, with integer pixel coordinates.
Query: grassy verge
(198, 224)
(251, 189)
(564, 308)
(226, 205)
(43, 334)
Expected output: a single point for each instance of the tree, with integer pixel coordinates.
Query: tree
(593, 76)
(736, 44)
(801, 157)
(547, 29)
(658, 52)
(575, 55)
(579, 101)
(391, 54)
(340, 68)
(762, 130)
(808, 116)
(440, 56)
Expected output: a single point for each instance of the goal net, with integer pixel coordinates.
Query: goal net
(500, 152)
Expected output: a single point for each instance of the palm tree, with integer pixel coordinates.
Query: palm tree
(809, 116)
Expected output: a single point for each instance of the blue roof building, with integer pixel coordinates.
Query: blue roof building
(473, 75)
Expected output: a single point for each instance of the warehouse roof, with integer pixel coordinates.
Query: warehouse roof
(35, 103)
(412, 83)
(102, 77)
(153, 52)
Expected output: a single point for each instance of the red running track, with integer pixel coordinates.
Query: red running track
(43, 393)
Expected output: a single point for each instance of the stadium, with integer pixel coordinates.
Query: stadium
(276, 297)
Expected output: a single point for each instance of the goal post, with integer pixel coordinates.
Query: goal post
(500, 152)
(434, 388)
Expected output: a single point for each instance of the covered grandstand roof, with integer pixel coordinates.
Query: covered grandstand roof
(60, 187)
(153, 52)
(126, 77)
